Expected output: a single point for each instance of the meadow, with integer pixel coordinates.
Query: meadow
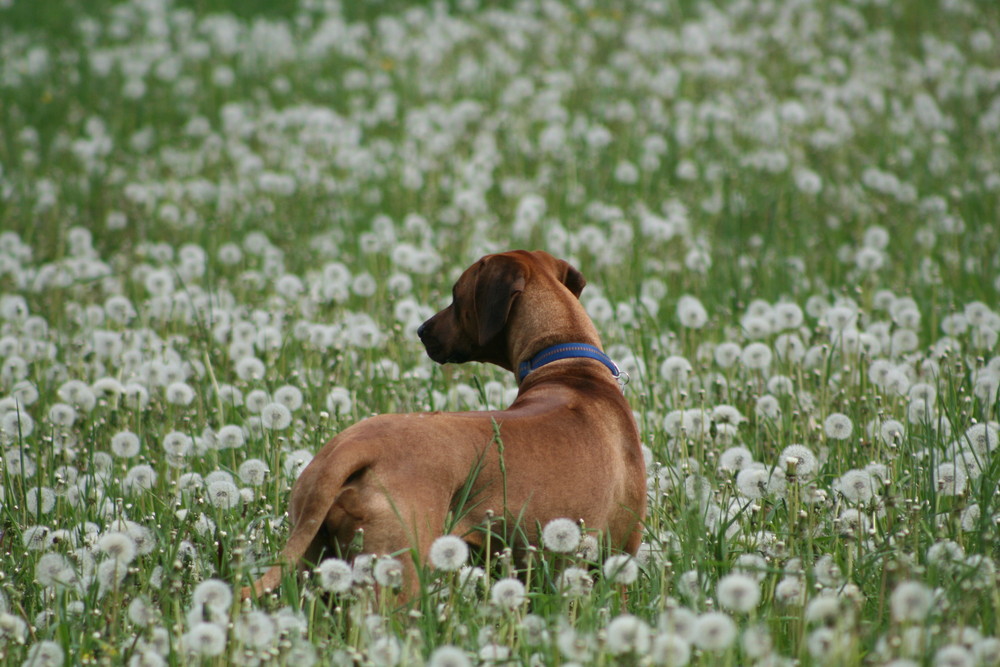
(221, 224)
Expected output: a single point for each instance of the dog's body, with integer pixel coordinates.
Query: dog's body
(567, 447)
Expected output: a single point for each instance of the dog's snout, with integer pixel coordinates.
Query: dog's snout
(422, 330)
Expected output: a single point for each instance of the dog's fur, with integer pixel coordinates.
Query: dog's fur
(570, 447)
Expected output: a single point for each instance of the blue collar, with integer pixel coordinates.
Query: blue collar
(565, 351)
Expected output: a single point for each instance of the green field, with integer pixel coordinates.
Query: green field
(221, 224)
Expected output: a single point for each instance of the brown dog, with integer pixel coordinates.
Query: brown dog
(567, 447)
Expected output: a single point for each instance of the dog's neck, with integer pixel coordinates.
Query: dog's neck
(535, 327)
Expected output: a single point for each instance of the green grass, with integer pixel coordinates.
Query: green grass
(424, 128)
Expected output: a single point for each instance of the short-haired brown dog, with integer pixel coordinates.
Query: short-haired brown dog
(567, 447)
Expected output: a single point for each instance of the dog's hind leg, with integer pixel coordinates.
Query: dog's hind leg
(402, 524)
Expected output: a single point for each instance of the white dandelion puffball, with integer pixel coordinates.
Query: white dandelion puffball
(224, 495)
(140, 477)
(230, 436)
(561, 535)
(714, 631)
(119, 546)
(54, 570)
(179, 393)
(44, 654)
(911, 601)
(214, 594)
(385, 651)
(253, 472)
(110, 574)
(691, 313)
(982, 438)
(757, 481)
(289, 396)
(296, 462)
(670, 649)
(735, 459)
(335, 575)
(756, 356)
(727, 354)
(950, 479)
(178, 444)
(40, 500)
(628, 634)
(142, 613)
(575, 582)
(857, 486)
(275, 416)
(838, 426)
(338, 401)
(205, 639)
(255, 629)
(449, 656)
(449, 553)
(738, 592)
(799, 457)
(508, 593)
(388, 572)
(125, 444)
(621, 569)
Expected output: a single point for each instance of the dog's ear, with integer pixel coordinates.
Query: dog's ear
(500, 281)
(570, 277)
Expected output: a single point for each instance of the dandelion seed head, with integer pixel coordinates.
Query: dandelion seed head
(449, 553)
(110, 574)
(253, 472)
(621, 569)
(448, 656)
(119, 546)
(388, 572)
(950, 479)
(54, 570)
(255, 629)
(230, 436)
(768, 407)
(204, 639)
(953, 655)
(982, 438)
(45, 653)
(224, 495)
(714, 631)
(910, 601)
(791, 590)
(738, 592)
(213, 593)
(125, 444)
(276, 416)
(140, 477)
(289, 396)
(508, 593)
(335, 575)
(735, 459)
(561, 535)
(838, 426)
(691, 312)
(727, 354)
(628, 634)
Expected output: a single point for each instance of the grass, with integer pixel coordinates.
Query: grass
(302, 184)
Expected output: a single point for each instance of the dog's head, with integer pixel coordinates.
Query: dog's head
(473, 327)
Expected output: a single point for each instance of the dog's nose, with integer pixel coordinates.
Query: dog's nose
(421, 330)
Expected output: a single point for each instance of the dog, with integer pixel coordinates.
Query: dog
(567, 447)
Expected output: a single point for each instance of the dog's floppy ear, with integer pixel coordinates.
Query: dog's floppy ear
(500, 281)
(570, 277)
